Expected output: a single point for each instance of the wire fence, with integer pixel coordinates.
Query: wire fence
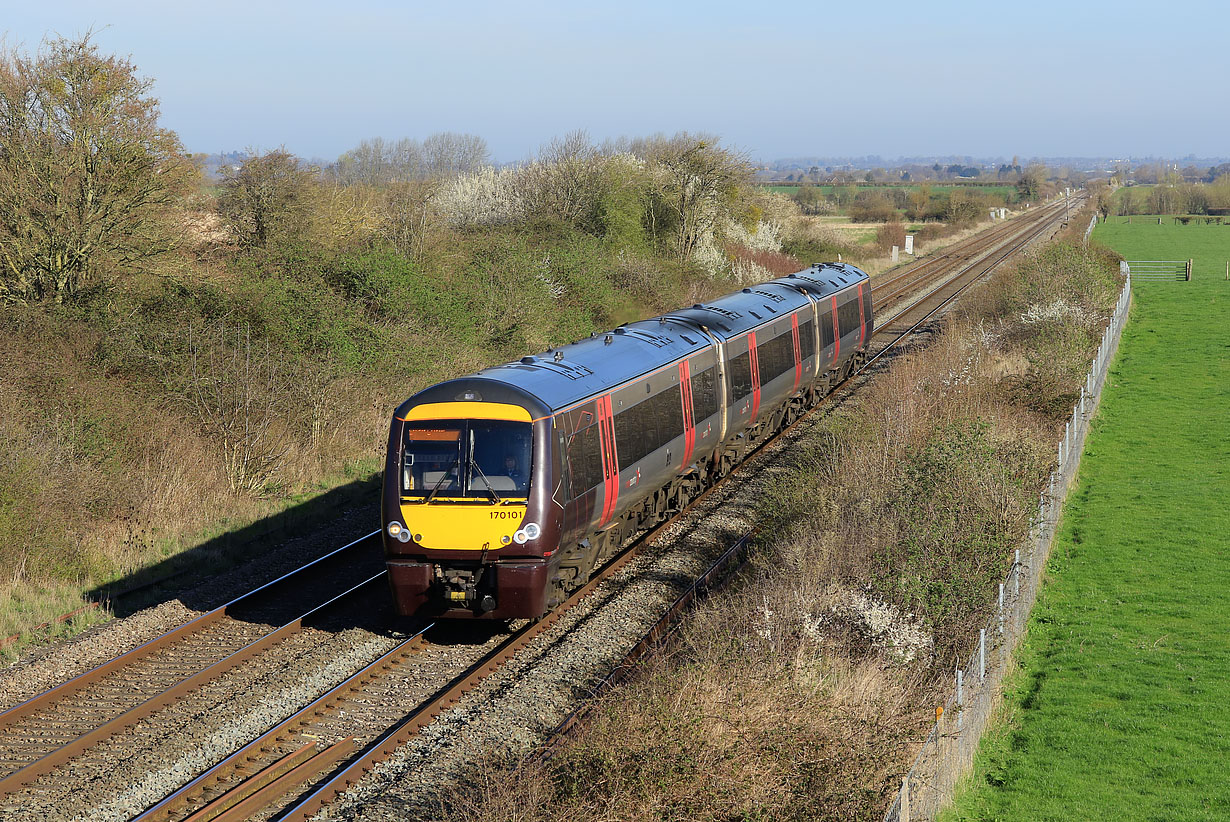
(948, 753)
(1089, 231)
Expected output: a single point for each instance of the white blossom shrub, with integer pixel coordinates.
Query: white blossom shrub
(488, 197)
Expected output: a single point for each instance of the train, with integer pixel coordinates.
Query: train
(504, 491)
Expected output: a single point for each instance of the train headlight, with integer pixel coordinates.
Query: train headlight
(395, 529)
(505, 539)
(532, 531)
(520, 538)
(403, 536)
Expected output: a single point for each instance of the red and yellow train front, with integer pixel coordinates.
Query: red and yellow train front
(466, 488)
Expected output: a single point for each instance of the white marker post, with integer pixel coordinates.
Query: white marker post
(909, 249)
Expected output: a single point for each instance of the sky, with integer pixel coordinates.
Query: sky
(775, 79)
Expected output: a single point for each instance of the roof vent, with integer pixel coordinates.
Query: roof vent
(528, 360)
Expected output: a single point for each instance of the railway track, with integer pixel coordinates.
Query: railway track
(63, 724)
(888, 290)
(303, 762)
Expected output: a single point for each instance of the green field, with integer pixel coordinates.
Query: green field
(936, 188)
(1120, 707)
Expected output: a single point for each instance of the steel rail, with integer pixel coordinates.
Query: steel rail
(249, 753)
(58, 757)
(53, 759)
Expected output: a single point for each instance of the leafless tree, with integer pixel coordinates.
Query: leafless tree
(405, 214)
(87, 177)
(233, 391)
(268, 198)
(698, 177)
(449, 154)
(565, 181)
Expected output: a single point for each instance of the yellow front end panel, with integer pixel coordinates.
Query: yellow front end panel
(446, 525)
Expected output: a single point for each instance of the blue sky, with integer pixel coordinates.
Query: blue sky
(992, 78)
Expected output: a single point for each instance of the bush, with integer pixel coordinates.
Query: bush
(889, 235)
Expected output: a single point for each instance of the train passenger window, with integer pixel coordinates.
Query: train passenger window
(807, 340)
(704, 395)
(848, 317)
(585, 459)
(740, 376)
(649, 425)
(826, 327)
(776, 356)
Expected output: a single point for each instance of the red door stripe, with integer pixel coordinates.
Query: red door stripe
(754, 361)
(798, 362)
(610, 459)
(689, 424)
(836, 331)
(862, 318)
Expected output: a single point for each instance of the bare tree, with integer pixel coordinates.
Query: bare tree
(405, 215)
(565, 181)
(87, 177)
(449, 154)
(698, 178)
(267, 199)
(233, 391)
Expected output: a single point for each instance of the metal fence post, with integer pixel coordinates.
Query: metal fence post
(982, 653)
(1001, 609)
(905, 799)
(1016, 578)
(960, 700)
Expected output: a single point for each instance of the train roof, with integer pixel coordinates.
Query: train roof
(563, 376)
(823, 279)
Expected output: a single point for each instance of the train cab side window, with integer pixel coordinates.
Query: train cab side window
(826, 327)
(740, 376)
(704, 395)
(807, 340)
(585, 460)
(867, 309)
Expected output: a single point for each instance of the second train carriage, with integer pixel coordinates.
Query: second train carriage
(503, 491)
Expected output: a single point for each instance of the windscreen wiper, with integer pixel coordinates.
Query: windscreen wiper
(443, 477)
(496, 499)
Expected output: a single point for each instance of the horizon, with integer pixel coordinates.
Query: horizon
(794, 81)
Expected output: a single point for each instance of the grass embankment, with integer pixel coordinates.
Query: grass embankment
(802, 692)
(1121, 705)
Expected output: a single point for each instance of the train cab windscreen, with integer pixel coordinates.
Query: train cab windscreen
(487, 459)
